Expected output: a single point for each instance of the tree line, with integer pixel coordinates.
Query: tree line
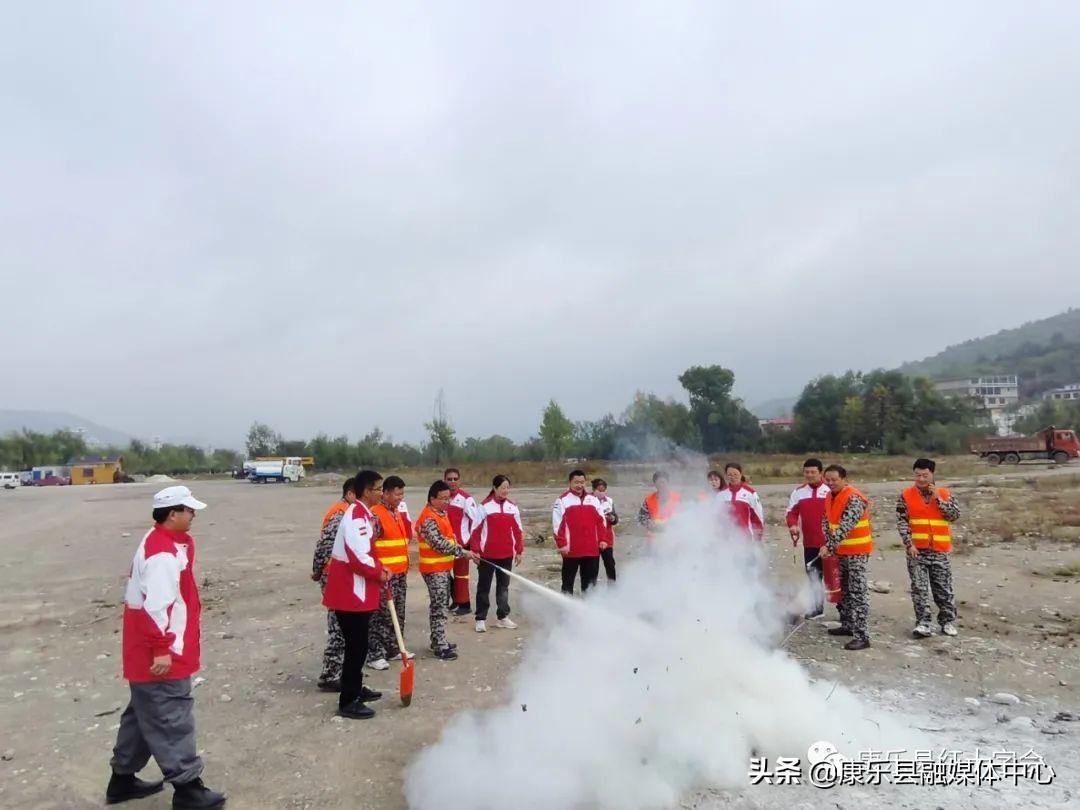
(878, 411)
(24, 449)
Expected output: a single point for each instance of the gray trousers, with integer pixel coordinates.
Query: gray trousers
(159, 722)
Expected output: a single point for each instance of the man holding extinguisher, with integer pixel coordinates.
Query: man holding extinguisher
(805, 514)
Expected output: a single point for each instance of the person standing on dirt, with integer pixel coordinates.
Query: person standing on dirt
(354, 583)
(499, 539)
(579, 525)
(742, 502)
(463, 511)
(392, 550)
(161, 651)
(805, 515)
(923, 514)
(334, 653)
(439, 549)
(658, 507)
(848, 535)
(611, 518)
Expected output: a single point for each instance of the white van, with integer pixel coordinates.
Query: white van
(9, 480)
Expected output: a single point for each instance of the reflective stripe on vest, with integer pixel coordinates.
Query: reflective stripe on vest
(392, 548)
(432, 561)
(860, 540)
(929, 529)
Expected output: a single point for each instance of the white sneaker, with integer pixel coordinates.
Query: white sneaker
(481, 626)
(506, 624)
(408, 655)
(923, 631)
(379, 663)
(949, 629)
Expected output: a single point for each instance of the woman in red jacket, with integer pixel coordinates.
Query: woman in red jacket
(498, 538)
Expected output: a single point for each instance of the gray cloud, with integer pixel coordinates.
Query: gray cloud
(318, 216)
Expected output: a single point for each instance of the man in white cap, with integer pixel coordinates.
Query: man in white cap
(161, 653)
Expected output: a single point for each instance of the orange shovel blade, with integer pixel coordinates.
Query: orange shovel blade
(405, 684)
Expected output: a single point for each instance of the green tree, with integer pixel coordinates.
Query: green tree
(262, 440)
(722, 421)
(556, 431)
(442, 441)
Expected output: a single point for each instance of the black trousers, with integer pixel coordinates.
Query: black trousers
(813, 573)
(354, 629)
(608, 556)
(590, 570)
(502, 589)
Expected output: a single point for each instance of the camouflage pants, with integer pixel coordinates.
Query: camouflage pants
(854, 604)
(438, 586)
(382, 643)
(930, 574)
(334, 655)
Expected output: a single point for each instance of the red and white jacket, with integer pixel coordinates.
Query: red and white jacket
(464, 515)
(406, 518)
(352, 579)
(744, 506)
(162, 607)
(499, 535)
(607, 507)
(806, 509)
(579, 524)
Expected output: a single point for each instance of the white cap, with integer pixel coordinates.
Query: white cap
(177, 496)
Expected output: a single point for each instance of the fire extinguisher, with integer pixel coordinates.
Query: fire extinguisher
(830, 575)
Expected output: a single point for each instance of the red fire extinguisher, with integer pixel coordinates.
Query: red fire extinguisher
(830, 575)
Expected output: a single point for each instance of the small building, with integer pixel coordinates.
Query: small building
(1066, 392)
(999, 391)
(779, 424)
(96, 469)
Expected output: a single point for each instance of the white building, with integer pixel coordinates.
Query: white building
(994, 394)
(1065, 393)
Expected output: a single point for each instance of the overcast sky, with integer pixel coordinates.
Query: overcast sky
(317, 214)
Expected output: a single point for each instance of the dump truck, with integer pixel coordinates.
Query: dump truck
(1054, 444)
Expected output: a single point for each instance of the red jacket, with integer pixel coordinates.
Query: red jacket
(499, 535)
(744, 506)
(463, 514)
(806, 508)
(352, 579)
(579, 524)
(161, 607)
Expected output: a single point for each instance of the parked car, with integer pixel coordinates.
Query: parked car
(9, 480)
(52, 481)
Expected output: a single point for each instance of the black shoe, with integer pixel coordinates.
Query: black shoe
(446, 653)
(462, 610)
(125, 786)
(329, 686)
(356, 711)
(857, 644)
(369, 694)
(194, 795)
(839, 631)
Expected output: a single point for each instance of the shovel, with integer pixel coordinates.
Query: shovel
(408, 667)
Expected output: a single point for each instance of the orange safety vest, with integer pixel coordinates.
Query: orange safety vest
(860, 540)
(929, 528)
(431, 561)
(662, 514)
(338, 508)
(392, 548)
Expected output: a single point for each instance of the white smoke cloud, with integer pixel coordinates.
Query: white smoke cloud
(663, 684)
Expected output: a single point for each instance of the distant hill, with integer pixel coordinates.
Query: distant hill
(1045, 353)
(49, 421)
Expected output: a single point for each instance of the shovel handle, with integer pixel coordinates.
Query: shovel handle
(394, 620)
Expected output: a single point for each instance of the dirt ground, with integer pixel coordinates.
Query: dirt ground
(270, 738)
